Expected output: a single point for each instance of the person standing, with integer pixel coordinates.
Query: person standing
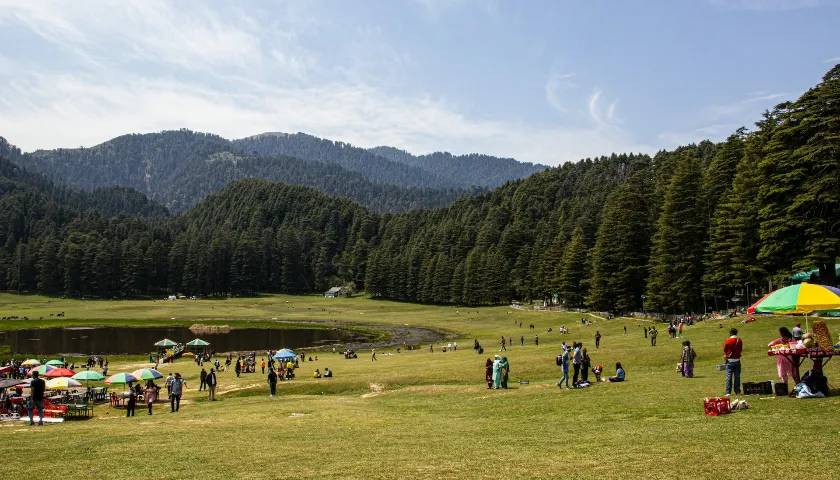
(373, 355)
(645, 329)
(497, 371)
(522, 340)
(488, 373)
(505, 372)
(131, 405)
(797, 332)
(36, 397)
(537, 340)
(211, 385)
(502, 345)
(168, 384)
(564, 363)
(262, 367)
(625, 330)
(653, 334)
(577, 358)
(150, 394)
(732, 348)
(597, 339)
(272, 383)
(785, 364)
(687, 360)
(175, 392)
(238, 368)
(203, 378)
(585, 363)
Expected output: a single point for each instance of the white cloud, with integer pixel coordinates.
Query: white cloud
(144, 67)
(832, 60)
(556, 89)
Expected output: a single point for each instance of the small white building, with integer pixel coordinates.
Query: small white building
(336, 292)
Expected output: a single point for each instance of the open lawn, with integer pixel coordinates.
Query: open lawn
(429, 415)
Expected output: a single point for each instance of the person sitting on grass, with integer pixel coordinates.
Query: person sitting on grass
(619, 374)
(597, 371)
(317, 373)
(327, 372)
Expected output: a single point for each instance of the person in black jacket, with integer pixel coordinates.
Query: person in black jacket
(36, 398)
(203, 378)
(211, 384)
(272, 382)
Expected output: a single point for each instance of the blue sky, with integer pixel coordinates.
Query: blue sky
(541, 81)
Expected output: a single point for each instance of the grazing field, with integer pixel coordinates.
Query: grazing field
(417, 414)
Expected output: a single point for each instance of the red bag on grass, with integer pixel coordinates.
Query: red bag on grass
(717, 406)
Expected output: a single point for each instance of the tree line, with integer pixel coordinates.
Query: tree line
(678, 231)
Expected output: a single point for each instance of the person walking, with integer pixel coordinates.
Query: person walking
(653, 334)
(522, 340)
(175, 392)
(564, 363)
(645, 329)
(150, 394)
(272, 383)
(203, 378)
(597, 339)
(732, 348)
(537, 340)
(577, 358)
(211, 385)
(502, 345)
(262, 366)
(37, 387)
(687, 360)
(373, 355)
(625, 330)
(237, 368)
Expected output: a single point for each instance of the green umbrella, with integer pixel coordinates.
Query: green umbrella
(42, 369)
(89, 376)
(165, 343)
(198, 343)
(55, 363)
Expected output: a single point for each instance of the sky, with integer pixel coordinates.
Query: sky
(539, 81)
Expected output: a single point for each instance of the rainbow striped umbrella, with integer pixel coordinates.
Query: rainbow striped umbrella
(42, 370)
(62, 383)
(147, 374)
(121, 379)
(801, 298)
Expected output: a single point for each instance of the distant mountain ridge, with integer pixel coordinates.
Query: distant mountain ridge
(179, 168)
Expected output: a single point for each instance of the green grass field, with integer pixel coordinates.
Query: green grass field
(429, 415)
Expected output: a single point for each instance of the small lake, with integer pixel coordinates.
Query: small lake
(124, 340)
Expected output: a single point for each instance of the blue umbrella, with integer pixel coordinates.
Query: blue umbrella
(285, 354)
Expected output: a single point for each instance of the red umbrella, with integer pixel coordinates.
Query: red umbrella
(59, 372)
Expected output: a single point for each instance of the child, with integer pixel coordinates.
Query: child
(597, 371)
(687, 360)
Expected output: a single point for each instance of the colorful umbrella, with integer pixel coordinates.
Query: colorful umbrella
(42, 370)
(62, 383)
(89, 376)
(30, 363)
(56, 363)
(121, 379)
(147, 374)
(801, 298)
(285, 354)
(165, 343)
(59, 372)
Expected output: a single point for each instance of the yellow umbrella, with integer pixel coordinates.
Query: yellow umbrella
(31, 363)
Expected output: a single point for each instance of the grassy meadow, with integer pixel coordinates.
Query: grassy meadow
(417, 414)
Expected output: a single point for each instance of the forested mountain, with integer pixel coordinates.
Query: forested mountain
(180, 168)
(472, 169)
(680, 231)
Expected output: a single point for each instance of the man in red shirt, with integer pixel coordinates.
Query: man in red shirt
(732, 348)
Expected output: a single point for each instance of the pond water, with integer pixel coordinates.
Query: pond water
(121, 340)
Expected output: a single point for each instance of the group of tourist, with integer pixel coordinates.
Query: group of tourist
(497, 372)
